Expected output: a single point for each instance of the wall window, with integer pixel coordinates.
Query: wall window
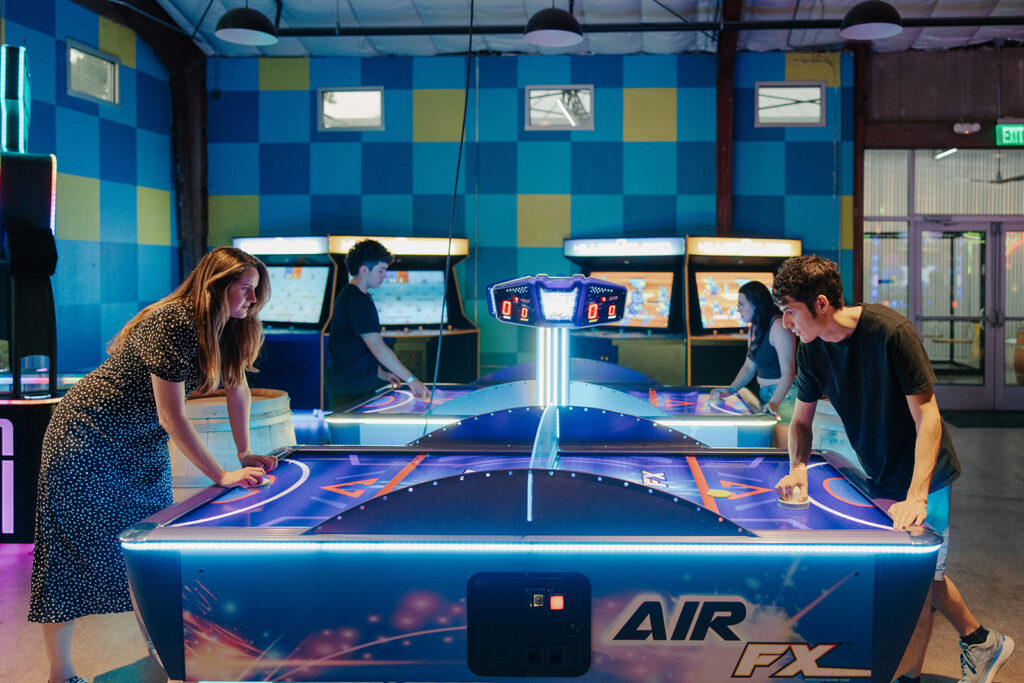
(350, 108)
(789, 103)
(92, 74)
(560, 107)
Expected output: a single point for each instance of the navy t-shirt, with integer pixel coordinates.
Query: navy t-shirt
(867, 377)
(353, 369)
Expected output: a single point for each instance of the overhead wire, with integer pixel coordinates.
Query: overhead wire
(451, 216)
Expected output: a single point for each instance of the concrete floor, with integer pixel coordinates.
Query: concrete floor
(986, 561)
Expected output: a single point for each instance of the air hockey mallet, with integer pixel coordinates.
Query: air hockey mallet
(795, 501)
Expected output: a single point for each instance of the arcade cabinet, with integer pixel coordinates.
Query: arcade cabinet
(650, 336)
(419, 307)
(716, 268)
(295, 320)
(27, 322)
(306, 274)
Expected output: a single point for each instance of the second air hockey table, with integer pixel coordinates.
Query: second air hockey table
(524, 544)
(396, 417)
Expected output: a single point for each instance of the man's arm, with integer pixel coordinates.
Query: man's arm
(928, 422)
(387, 358)
(799, 450)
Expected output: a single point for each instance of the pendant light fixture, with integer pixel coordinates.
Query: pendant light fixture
(553, 27)
(246, 26)
(871, 20)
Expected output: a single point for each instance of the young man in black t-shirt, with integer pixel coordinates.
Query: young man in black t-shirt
(870, 363)
(360, 359)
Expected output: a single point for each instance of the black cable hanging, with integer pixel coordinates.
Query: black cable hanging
(451, 218)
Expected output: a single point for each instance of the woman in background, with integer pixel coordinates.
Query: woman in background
(771, 357)
(105, 462)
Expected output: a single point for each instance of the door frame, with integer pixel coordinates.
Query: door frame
(994, 393)
(1007, 396)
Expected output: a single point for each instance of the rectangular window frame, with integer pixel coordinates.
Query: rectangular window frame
(99, 54)
(589, 125)
(322, 128)
(821, 122)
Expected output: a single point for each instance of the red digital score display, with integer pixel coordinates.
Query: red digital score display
(592, 303)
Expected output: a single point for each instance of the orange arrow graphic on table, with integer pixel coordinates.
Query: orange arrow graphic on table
(754, 490)
(338, 488)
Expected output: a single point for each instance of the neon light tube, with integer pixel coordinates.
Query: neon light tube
(53, 194)
(281, 245)
(343, 547)
(378, 418)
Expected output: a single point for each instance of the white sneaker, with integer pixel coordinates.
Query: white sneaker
(979, 663)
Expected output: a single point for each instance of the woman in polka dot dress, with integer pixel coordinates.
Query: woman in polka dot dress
(105, 462)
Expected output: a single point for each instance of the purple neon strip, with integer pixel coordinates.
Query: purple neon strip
(7, 497)
(6, 438)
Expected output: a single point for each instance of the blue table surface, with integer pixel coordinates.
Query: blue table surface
(311, 487)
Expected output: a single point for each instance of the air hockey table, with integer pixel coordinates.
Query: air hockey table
(395, 416)
(525, 543)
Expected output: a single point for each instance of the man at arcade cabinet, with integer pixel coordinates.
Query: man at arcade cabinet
(869, 362)
(360, 357)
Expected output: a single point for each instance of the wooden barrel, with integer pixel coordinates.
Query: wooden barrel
(270, 427)
(1018, 356)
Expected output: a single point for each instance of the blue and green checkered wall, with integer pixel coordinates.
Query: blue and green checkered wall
(116, 204)
(647, 168)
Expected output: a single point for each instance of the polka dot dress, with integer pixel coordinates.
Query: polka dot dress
(106, 466)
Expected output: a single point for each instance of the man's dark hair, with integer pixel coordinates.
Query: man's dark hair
(366, 253)
(803, 278)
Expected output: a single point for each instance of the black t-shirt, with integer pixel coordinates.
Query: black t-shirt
(353, 369)
(867, 378)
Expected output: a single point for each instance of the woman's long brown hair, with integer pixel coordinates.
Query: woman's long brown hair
(228, 346)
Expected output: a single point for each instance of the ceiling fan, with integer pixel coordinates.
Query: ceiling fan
(999, 179)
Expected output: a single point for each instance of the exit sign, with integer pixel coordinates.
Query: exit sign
(1010, 134)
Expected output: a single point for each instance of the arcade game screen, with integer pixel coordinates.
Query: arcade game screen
(297, 294)
(718, 297)
(411, 297)
(648, 295)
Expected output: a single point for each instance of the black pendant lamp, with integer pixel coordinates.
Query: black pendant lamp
(553, 27)
(246, 26)
(871, 20)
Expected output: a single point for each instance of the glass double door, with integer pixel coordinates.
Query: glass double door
(968, 306)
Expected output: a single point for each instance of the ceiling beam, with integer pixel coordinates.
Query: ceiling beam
(725, 64)
(725, 25)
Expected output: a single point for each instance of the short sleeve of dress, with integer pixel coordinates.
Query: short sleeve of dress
(166, 341)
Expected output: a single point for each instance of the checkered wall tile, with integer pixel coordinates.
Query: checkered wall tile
(116, 206)
(647, 168)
